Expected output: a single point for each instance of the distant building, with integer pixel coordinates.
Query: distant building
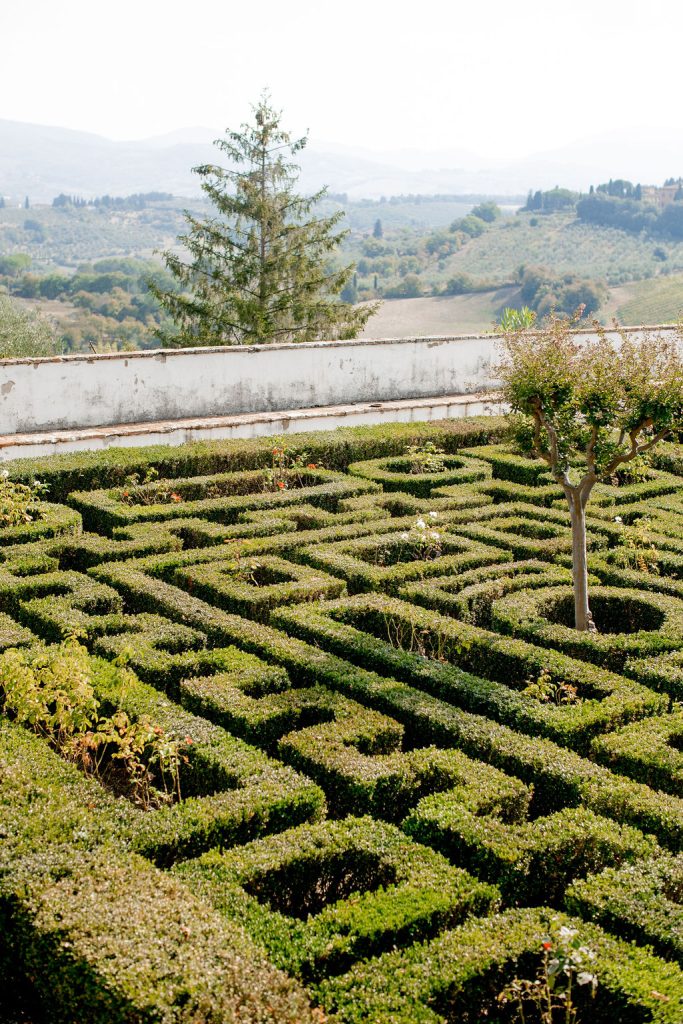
(660, 195)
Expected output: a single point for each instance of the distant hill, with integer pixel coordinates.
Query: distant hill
(42, 161)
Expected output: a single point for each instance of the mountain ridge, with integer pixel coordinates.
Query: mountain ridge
(43, 160)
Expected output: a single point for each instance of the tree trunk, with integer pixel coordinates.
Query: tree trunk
(583, 620)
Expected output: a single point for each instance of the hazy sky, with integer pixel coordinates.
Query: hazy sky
(499, 77)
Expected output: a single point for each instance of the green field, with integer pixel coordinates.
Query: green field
(452, 314)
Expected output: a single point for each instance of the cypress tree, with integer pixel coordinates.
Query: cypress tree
(259, 267)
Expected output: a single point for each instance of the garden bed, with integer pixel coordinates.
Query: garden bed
(398, 768)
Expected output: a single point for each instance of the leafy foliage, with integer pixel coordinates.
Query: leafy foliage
(595, 406)
(260, 267)
(51, 692)
(23, 333)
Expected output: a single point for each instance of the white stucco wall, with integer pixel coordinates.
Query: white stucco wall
(87, 391)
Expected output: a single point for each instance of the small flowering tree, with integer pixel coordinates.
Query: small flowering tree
(594, 405)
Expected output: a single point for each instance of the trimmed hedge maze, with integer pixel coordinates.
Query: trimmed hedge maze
(398, 768)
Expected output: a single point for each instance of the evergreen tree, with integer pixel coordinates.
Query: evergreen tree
(26, 203)
(377, 231)
(260, 267)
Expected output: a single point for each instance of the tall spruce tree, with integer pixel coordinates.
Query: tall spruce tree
(259, 267)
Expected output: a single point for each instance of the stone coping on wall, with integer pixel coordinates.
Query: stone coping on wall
(428, 340)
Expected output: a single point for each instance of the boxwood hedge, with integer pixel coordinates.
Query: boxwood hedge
(365, 779)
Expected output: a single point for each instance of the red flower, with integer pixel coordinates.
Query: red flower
(311, 465)
(176, 497)
(547, 945)
(281, 484)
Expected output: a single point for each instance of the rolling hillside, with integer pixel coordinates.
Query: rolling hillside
(563, 244)
(657, 301)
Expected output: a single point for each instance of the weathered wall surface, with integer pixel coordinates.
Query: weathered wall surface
(87, 391)
(84, 391)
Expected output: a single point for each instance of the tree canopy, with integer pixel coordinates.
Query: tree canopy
(261, 265)
(23, 334)
(594, 403)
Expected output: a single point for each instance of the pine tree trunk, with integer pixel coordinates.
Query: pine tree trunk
(583, 620)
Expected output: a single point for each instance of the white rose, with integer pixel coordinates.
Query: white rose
(421, 524)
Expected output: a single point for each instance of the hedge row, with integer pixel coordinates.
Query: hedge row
(469, 595)
(531, 861)
(641, 902)
(354, 516)
(651, 752)
(459, 975)
(321, 897)
(334, 449)
(102, 934)
(50, 520)
(386, 561)
(630, 623)
(560, 777)
(254, 586)
(230, 791)
(396, 474)
(508, 464)
(103, 510)
(440, 655)
(663, 672)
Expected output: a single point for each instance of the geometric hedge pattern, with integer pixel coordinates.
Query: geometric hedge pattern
(404, 760)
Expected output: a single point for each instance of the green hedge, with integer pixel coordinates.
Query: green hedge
(231, 791)
(532, 861)
(254, 586)
(229, 495)
(51, 521)
(395, 474)
(334, 449)
(651, 752)
(458, 976)
(508, 464)
(404, 702)
(641, 902)
(663, 672)
(630, 623)
(107, 938)
(469, 595)
(441, 655)
(104, 936)
(560, 777)
(321, 897)
(385, 561)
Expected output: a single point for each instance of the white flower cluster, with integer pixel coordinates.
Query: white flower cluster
(421, 527)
